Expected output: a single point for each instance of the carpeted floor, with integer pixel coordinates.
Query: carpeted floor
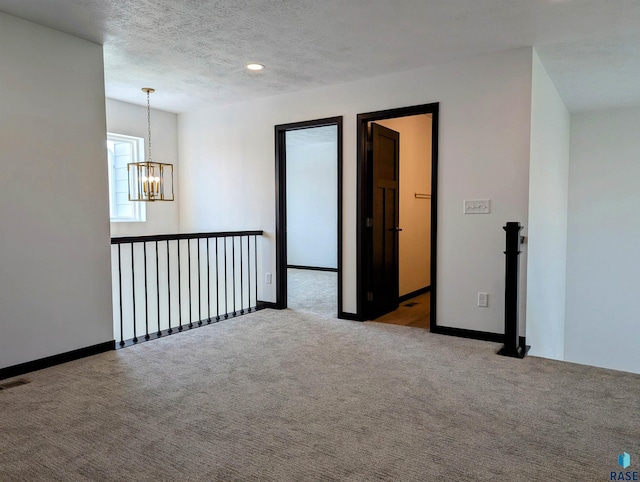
(316, 292)
(293, 396)
(313, 291)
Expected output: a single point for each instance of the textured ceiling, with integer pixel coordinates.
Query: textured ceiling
(194, 51)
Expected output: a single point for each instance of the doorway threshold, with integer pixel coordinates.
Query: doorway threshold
(414, 312)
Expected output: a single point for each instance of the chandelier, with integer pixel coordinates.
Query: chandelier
(150, 181)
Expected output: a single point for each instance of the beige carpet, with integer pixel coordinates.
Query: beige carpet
(292, 396)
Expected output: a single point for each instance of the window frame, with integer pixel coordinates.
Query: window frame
(139, 208)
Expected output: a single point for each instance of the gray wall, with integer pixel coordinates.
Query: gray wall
(485, 107)
(548, 194)
(312, 202)
(55, 279)
(602, 324)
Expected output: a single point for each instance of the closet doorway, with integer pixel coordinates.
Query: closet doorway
(397, 209)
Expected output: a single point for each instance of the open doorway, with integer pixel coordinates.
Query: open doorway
(309, 216)
(397, 195)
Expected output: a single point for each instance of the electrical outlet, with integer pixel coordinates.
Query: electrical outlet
(483, 300)
(477, 206)
(267, 278)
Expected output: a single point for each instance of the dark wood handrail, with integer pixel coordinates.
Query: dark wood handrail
(172, 237)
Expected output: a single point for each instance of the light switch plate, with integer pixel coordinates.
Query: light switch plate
(477, 206)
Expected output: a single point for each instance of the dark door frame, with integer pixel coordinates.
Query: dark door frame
(363, 256)
(281, 204)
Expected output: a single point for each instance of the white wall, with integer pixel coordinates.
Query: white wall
(548, 191)
(485, 107)
(415, 213)
(55, 279)
(602, 325)
(312, 204)
(131, 120)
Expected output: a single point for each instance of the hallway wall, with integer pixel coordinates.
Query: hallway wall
(312, 200)
(548, 199)
(602, 326)
(55, 279)
(485, 106)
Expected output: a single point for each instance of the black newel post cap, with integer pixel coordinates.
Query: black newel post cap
(513, 229)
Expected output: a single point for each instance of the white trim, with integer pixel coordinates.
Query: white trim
(139, 208)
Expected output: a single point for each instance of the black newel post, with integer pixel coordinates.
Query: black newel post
(512, 346)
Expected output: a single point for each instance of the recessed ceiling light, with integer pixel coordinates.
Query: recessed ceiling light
(255, 67)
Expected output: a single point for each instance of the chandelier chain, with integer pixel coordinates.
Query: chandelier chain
(149, 123)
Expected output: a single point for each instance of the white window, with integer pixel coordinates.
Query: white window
(123, 150)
